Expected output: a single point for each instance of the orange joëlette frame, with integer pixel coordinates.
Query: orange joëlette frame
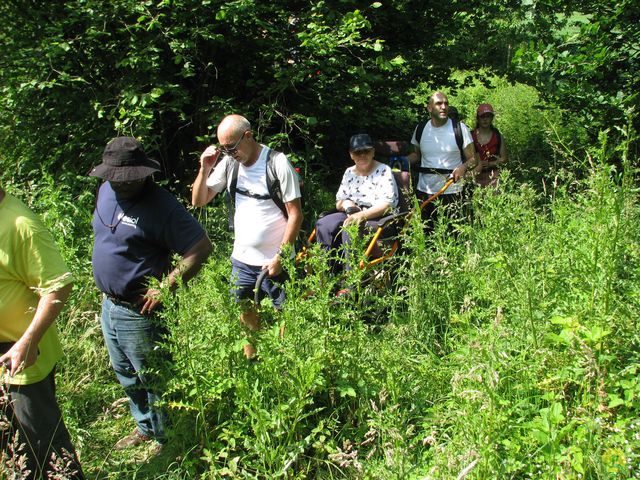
(394, 245)
(376, 236)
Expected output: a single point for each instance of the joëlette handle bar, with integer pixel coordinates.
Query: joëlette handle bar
(447, 184)
(394, 247)
(256, 293)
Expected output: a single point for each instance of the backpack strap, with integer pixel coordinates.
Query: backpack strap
(438, 171)
(231, 172)
(273, 183)
(273, 186)
(457, 132)
(420, 130)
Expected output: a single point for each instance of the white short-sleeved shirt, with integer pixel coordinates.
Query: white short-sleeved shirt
(259, 224)
(439, 150)
(368, 190)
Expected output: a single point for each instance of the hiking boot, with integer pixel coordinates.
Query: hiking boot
(131, 440)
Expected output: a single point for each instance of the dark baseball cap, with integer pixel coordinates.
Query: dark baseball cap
(361, 141)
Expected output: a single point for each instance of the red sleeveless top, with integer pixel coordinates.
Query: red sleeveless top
(489, 148)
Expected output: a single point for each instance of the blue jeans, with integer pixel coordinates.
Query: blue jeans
(130, 339)
(331, 236)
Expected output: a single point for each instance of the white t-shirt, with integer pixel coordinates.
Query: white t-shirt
(259, 224)
(368, 190)
(439, 150)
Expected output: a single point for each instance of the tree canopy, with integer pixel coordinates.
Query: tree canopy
(75, 73)
(306, 73)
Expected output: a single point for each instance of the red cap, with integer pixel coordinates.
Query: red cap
(485, 108)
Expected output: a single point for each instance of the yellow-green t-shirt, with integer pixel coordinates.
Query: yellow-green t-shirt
(30, 266)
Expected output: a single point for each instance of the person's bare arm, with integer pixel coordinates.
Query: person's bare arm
(200, 193)
(469, 163)
(415, 156)
(502, 154)
(24, 352)
(187, 268)
(375, 211)
(294, 221)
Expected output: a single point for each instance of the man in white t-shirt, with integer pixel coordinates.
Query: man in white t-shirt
(261, 227)
(440, 157)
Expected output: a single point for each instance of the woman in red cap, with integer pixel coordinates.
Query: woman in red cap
(489, 145)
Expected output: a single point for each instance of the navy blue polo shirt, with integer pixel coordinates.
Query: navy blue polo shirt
(135, 238)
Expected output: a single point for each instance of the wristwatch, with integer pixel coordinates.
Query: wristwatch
(351, 210)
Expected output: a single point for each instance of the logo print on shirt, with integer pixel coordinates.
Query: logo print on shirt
(126, 220)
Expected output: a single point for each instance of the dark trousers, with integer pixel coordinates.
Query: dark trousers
(331, 236)
(450, 205)
(33, 411)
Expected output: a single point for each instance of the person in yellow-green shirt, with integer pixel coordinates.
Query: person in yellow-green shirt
(34, 285)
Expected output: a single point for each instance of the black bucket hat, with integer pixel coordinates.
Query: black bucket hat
(361, 141)
(124, 160)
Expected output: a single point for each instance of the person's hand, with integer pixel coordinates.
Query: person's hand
(209, 158)
(19, 357)
(151, 301)
(355, 218)
(479, 166)
(274, 266)
(459, 172)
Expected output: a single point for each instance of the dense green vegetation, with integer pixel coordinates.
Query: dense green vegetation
(507, 351)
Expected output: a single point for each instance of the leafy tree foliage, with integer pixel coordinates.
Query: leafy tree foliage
(308, 73)
(585, 56)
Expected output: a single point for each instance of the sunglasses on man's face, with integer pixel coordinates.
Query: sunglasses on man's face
(231, 150)
(486, 115)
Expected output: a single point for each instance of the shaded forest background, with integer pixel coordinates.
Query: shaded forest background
(307, 74)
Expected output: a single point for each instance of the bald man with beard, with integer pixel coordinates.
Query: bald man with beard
(440, 158)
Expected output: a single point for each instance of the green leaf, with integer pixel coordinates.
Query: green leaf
(347, 392)
(614, 401)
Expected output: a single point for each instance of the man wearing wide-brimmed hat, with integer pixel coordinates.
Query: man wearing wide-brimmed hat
(137, 227)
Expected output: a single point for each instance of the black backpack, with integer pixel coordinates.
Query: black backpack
(457, 131)
(273, 186)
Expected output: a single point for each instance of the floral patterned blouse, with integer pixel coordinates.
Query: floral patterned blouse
(368, 190)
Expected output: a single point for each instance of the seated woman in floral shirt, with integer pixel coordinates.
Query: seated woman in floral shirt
(367, 192)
